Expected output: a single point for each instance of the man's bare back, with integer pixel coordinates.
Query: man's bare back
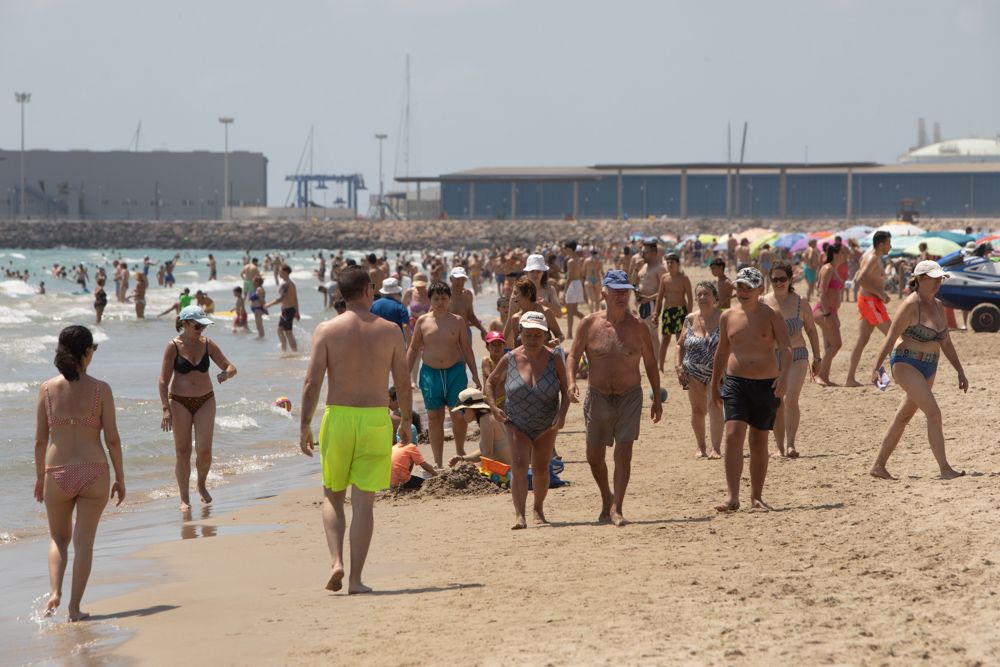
(358, 350)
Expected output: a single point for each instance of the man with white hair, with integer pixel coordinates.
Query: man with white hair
(461, 301)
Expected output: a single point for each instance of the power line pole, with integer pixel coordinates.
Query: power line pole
(22, 99)
(226, 122)
(381, 184)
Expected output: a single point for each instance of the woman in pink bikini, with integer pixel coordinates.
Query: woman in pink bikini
(829, 286)
(72, 468)
(188, 400)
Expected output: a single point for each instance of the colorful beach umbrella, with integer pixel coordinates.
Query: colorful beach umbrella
(957, 237)
(707, 238)
(761, 242)
(754, 233)
(788, 240)
(856, 232)
(937, 246)
(901, 229)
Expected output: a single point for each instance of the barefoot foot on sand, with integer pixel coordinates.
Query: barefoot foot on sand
(205, 496)
(728, 506)
(880, 472)
(604, 517)
(951, 473)
(540, 517)
(700, 454)
(77, 615)
(758, 504)
(519, 523)
(52, 604)
(336, 581)
(358, 589)
(617, 518)
(851, 382)
(792, 453)
(715, 454)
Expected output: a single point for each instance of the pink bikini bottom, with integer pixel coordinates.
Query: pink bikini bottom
(73, 478)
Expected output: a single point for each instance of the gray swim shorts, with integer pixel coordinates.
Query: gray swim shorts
(612, 418)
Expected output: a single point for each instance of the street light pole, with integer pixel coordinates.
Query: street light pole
(226, 122)
(381, 184)
(22, 99)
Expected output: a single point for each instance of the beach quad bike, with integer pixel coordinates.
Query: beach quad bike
(973, 285)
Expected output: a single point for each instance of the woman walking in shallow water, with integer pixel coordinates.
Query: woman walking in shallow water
(188, 400)
(537, 398)
(70, 464)
(921, 325)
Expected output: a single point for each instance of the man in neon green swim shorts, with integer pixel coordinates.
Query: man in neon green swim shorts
(356, 351)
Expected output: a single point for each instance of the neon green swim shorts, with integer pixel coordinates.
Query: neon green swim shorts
(355, 447)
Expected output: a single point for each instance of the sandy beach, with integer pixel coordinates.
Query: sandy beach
(847, 570)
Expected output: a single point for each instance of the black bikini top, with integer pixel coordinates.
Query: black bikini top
(183, 366)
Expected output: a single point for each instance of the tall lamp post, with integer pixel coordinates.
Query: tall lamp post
(22, 99)
(226, 122)
(381, 185)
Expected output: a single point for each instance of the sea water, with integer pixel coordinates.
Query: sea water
(251, 434)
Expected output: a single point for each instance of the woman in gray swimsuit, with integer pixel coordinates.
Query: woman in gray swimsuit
(799, 319)
(695, 356)
(537, 400)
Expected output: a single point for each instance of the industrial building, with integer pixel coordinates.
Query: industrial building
(119, 185)
(959, 178)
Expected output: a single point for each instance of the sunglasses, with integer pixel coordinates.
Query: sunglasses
(779, 279)
(198, 327)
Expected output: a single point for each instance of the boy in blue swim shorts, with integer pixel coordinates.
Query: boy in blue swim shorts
(441, 341)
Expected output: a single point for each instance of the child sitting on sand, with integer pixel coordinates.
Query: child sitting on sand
(403, 459)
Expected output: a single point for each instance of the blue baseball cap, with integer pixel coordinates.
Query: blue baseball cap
(195, 314)
(617, 279)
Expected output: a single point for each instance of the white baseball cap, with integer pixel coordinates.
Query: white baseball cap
(390, 286)
(459, 272)
(534, 320)
(929, 268)
(536, 263)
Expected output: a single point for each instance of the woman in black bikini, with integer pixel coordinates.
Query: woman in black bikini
(188, 400)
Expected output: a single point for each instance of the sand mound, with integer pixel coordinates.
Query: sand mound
(462, 480)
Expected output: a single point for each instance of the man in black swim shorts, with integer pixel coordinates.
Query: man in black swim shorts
(289, 299)
(747, 382)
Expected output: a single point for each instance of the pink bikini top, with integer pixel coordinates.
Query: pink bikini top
(90, 421)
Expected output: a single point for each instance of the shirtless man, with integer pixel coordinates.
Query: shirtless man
(743, 254)
(462, 300)
(674, 300)
(356, 352)
(441, 341)
(871, 299)
(374, 272)
(812, 260)
(288, 297)
(321, 271)
(648, 278)
(249, 274)
(574, 285)
(614, 340)
(722, 283)
(747, 382)
(213, 270)
(592, 273)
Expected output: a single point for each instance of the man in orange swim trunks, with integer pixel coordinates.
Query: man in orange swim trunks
(871, 299)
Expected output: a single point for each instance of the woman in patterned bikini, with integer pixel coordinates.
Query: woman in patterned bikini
(188, 400)
(72, 469)
(799, 320)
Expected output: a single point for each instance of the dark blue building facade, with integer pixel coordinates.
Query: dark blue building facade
(876, 192)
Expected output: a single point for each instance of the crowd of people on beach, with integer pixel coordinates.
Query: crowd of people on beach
(745, 342)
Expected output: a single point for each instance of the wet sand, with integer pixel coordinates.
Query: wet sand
(847, 570)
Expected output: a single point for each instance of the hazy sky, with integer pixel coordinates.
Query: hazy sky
(500, 82)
